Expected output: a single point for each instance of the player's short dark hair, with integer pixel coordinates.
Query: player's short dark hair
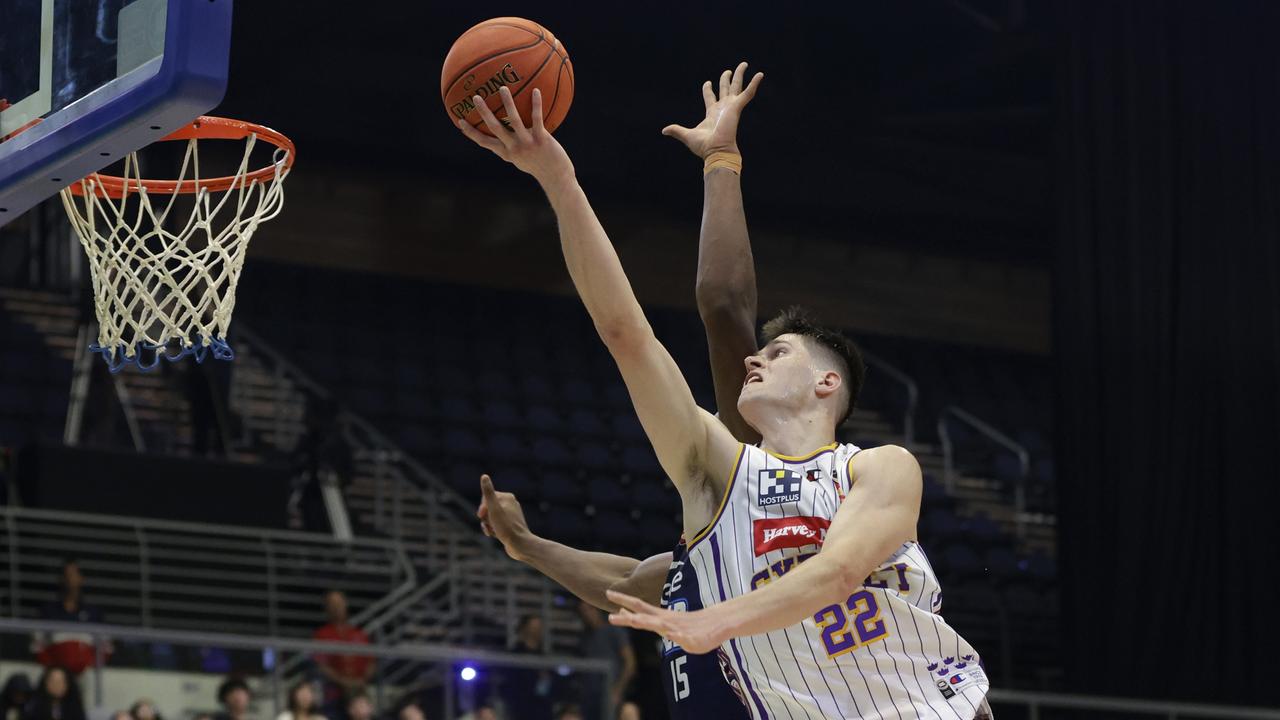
(796, 320)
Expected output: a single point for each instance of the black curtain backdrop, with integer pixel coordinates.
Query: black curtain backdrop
(1167, 346)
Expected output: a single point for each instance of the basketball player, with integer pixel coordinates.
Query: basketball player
(695, 686)
(850, 631)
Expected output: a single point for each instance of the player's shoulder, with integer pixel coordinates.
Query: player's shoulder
(893, 460)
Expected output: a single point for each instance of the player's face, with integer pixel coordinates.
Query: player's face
(780, 379)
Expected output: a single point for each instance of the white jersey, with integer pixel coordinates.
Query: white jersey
(884, 652)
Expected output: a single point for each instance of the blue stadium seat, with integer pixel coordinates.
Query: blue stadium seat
(456, 410)
(564, 523)
(626, 426)
(653, 493)
(1002, 564)
(549, 450)
(584, 421)
(536, 388)
(507, 447)
(465, 478)
(543, 419)
(416, 439)
(559, 487)
(961, 563)
(594, 456)
(517, 480)
(461, 442)
(640, 460)
(607, 492)
(501, 414)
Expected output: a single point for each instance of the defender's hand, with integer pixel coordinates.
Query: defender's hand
(718, 131)
(502, 517)
(695, 631)
(532, 149)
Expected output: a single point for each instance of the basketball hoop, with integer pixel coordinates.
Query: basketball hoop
(170, 292)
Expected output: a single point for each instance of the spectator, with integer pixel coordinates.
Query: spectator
(569, 712)
(344, 674)
(602, 641)
(56, 698)
(483, 711)
(527, 689)
(233, 693)
(14, 697)
(411, 711)
(71, 651)
(121, 715)
(301, 704)
(144, 709)
(629, 711)
(359, 706)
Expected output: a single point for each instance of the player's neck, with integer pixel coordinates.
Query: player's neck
(796, 436)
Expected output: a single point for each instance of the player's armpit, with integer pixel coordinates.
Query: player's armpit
(646, 580)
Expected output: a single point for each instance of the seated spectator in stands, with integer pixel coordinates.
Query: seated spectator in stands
(144, 709)
(233, 693)
(411, 711)
(569, 711)
(70, 651)
(343, 674)
(121, 715)
(483, 711)
(301, 703)
(14, 697)
(359, 706)
(629, 711)
(528, 689)
(56, 698)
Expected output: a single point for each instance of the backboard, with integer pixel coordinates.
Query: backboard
(85, 82)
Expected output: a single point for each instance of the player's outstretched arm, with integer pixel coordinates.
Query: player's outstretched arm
(588, 575)
(678, 429)
(726, 288)
(879, 515)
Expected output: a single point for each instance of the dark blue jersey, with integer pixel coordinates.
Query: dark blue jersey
(698, 687)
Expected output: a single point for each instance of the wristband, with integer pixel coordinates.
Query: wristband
(728, 160)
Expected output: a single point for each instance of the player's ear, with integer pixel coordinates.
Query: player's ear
(829, 383)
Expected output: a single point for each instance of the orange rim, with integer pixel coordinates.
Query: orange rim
(202, 128)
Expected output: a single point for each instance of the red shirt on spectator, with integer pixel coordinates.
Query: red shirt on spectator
(355, 667)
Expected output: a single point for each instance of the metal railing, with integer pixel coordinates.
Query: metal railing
(951, 412)
(1034, 702)
(913, 392)
(157, 573)
(274, 646)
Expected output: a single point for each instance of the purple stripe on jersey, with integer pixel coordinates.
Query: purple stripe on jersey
(715, 558)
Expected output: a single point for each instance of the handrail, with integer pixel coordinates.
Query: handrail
(131, 522)
(973, 421)
(274, 645)
(913, 392)
(1034, 701)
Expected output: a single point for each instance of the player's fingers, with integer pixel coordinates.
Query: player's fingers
(479, 138)
(486, 487)
(726, 78)
(491, 121)
(513, 115)
(735, 86)
(676, 132)
(708, 96)
(536, 120)
(750, 90)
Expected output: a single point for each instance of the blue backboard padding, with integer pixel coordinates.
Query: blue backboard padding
(191, 81)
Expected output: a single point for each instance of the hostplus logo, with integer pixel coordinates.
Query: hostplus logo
(778, 486)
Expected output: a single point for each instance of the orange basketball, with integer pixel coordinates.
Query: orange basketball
(515, 52)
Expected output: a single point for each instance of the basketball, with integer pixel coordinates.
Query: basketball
(515, 52)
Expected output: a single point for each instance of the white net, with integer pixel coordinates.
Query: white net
(165, 272)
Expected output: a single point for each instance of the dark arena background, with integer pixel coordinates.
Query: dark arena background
(1052, 227)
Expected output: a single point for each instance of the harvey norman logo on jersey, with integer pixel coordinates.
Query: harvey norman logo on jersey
(790, 532)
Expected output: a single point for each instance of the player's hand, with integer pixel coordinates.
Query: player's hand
(502, 517)
(718, 131)
(531, 148)
(694, 631)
